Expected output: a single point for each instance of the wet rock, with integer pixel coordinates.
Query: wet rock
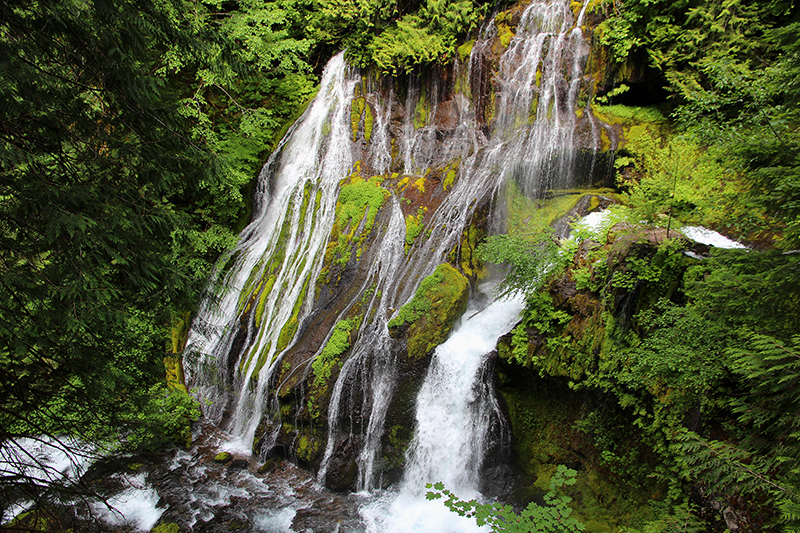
(343, 470)
(269, 466)
(588, 203)
(236, 525)
(238, 463)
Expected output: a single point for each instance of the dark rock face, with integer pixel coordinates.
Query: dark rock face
(343, 471)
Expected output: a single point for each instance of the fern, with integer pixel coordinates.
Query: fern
(765, 462)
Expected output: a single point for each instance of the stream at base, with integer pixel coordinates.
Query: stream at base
(457, 424)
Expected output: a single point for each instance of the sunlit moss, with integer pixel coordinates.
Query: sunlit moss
(505, 34)
(465, 50)
(368, 122)
(289, 329)
(422, 111)
(262, 299)
(356, 112)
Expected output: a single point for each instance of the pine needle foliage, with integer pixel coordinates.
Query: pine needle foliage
(95, 177)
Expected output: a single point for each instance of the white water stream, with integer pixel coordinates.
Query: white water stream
(452, 434)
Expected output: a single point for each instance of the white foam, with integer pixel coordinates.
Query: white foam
(46, 458)
(409, 513)
(594, 221)
(710, 237)
(135, 506)
(43, 460)
(275, 521)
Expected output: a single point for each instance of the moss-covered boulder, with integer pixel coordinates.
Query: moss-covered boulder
(223, 457)
(427, 319)
(166, 528)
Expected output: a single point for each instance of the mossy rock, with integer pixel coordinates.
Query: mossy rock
(269, 466)
(31, 521)
(166, 527)
(427, 319)
(223, 457)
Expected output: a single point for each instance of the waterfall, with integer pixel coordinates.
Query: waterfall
(268, 316)
(453, 416)
(278, 253)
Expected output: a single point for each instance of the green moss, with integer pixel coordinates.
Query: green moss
(619, 114)
(247, 297)
(356, 112)
(262, 299)
(180, 331)
(360, 111)
(338, 343)
(449, 178)
(469, 263)
(399, 439)
(414, 227)
(369, 120)
(422, 111)
(532, 216)
(307, 447)
(465, 50)
(304, 205)
(175, 379)
(490, 107)
(223, 457)
(438, 302)
(289, 329)
(166, 527)
(420, 185)
(328, 360)
(357, 199)
(505, 34)
(262, 359)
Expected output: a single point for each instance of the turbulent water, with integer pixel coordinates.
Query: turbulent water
(262, 300)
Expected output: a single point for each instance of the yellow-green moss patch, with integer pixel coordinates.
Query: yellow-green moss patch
(414, 227)
(427, 319)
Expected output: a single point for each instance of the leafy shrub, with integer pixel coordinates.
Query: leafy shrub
(552, 517)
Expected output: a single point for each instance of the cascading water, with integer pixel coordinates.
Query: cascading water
(269, 316)
(453, 416)
(278, 254)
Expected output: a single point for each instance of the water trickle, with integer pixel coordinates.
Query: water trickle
(537, 112)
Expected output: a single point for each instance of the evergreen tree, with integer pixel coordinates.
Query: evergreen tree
(96, 171)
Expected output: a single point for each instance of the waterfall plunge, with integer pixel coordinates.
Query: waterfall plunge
(454, 411)
(240, 334)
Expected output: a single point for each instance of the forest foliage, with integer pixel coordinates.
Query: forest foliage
(703, 358)
(130, 136)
